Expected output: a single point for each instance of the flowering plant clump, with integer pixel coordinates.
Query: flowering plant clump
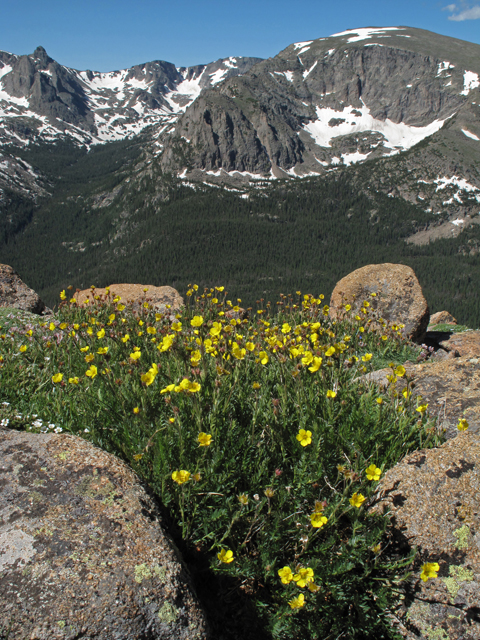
(429, 570)
(258, 435)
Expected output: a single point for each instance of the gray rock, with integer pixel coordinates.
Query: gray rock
(82, 551)
(15, 293)
(431, 498)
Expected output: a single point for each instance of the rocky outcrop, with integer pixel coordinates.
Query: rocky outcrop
(398, 296)
(442, 317)
(137, 294)
(50, 100)
(432, 500)
(307, 105)
(82, 551)
(15, 293)
(450, 387)
(465, 344)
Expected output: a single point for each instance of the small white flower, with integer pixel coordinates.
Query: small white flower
(86, 430)
(37, 424)
(4, 422)
(58, 429)
(6, 404)
(256, 497)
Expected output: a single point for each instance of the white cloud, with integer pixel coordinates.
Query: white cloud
(466, 12)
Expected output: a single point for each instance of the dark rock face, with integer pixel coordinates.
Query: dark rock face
(15, 293)
(398, 296)
(92, 106)
(82, 551)
(51, 89)
(387, 78)
(431, 497)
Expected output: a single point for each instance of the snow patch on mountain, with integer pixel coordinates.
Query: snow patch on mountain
(302, 45)
(444, 66)
(307, 73)
(364, 34)
(469, 134)
(398, 136)
(4, 70)
(470, 82)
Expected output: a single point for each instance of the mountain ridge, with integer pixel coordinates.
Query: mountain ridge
(383, 122)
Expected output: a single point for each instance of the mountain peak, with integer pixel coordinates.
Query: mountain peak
(41, 55)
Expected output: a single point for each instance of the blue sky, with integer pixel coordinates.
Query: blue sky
(105, 35)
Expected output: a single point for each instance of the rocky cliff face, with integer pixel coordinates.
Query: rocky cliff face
(41, 100)
(405, 97)
(361, 94)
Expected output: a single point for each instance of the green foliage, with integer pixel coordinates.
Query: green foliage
(258, 435)
(450, 328)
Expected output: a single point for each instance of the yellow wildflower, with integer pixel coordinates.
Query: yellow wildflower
(195, 358)
(238, 353)
(462, 424)
(135, 355)
(317, 363)
(298, 602)
(216, 329)
(304, 437)
(429, 570)
(357, 500)
(92, 372)
(373, 472)
(180, 477)
(317, 520)
(307, 358)
(150, 376)
(196, 321)
(262, 357)
(57, 377)
(286, 575)
(303, 577)
(225, 556)
(204, 439)
(331, 394)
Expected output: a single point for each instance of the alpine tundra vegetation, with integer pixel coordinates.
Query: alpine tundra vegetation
(258, 435)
